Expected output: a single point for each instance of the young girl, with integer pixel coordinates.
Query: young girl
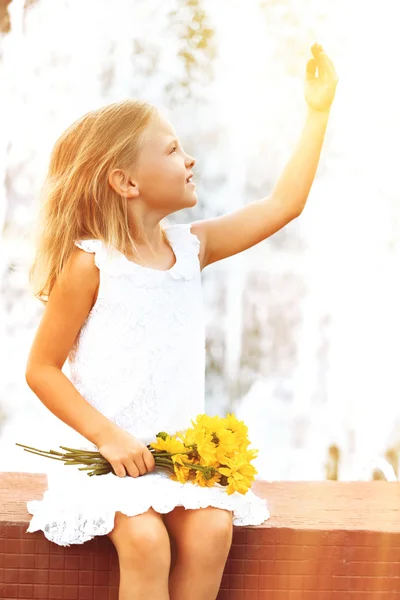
(124, 306)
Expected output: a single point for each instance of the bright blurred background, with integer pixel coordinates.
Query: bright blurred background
(303, 329)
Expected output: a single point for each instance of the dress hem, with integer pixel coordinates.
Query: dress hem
(67, 520)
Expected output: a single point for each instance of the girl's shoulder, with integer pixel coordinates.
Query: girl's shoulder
(101, 253)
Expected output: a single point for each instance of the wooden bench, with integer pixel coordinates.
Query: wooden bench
(324, 540)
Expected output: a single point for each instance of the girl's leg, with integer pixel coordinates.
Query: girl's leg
(203, 538)
(143, 548)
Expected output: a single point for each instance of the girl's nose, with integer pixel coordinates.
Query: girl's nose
(190, 162)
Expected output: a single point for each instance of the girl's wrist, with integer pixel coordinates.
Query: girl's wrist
(100, 436)
(318, 114)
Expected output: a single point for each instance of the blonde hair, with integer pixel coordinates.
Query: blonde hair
(77, 201)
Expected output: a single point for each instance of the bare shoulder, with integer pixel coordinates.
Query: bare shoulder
(79, 281)
(71, 299)
(81, 264)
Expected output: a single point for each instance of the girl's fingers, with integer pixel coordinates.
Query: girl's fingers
(316, 49)
(332, 70)
(328, 66)
(325, 65)
(311, 69)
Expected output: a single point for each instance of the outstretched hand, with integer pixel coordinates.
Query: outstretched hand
(320, 88)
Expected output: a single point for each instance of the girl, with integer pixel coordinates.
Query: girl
(123, 305)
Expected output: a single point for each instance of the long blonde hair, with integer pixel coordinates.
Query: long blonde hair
(77, 201)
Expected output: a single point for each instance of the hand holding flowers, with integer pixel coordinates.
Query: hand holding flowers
(214, 451)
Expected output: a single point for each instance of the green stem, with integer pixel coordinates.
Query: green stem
(163, 461)
(37, 450)
(77, 450)
(198, 467)
(165, 451)
(83, 456)
(45, 455)
(101, 472)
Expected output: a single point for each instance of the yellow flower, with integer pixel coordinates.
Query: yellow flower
(199, 440)
(206, 421)
(227, 444)
(170, 444)
(224, 439)
(208, 477)
(188, 438)
(239, 472)
(206, 449)
(181, 474)
(238, 427)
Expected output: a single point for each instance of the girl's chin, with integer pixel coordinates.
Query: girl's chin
(191, 195)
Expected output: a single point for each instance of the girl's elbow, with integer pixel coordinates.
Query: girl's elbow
(29, 377)
(33, 376)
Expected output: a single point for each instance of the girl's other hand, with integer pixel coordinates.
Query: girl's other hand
(320, 89)
(126, 454)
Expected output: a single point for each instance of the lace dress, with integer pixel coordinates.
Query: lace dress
(139, 358)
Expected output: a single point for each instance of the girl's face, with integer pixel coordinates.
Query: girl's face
(163, 169)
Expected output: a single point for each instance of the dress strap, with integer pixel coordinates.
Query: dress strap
(186, 246)
(181, 233)
(96, 246)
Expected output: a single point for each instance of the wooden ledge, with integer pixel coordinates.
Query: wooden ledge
(324, 540)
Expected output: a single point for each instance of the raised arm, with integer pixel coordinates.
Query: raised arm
(236, 231)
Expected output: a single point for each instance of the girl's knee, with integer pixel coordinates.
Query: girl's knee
(210, 534)
(141, 537)
(220, 527)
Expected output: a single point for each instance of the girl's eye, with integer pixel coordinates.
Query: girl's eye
(173, 149)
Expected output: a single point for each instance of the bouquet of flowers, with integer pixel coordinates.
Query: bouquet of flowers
(212, 452)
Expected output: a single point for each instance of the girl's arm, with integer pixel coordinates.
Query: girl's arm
(69, 303)
(232, 233)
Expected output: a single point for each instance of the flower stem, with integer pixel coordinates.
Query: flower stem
(79, 451)
(42, 454)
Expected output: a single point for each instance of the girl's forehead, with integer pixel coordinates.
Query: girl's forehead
(163, 124)
(160, 131)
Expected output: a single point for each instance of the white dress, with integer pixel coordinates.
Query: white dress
(139, 358)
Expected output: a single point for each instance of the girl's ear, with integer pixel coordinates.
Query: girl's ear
(132, 189)
(123, 184)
